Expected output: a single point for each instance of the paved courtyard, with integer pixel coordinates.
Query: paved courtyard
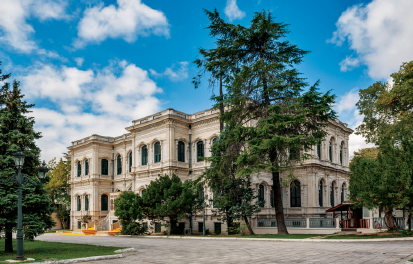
(161, 250)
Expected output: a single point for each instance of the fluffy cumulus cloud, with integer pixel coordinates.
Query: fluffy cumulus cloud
(16, 32)
(380, 34)
(128, 20)
(86, 102)
(176, 72)
(232, 10)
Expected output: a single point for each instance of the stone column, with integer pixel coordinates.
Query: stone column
(95, 161)
(133, 151)
(171, 143)
(125, 168)
(94, 201)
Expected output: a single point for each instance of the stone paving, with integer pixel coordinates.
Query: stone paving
(162, 250)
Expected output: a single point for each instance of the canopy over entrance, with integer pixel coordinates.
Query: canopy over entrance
(351, 219)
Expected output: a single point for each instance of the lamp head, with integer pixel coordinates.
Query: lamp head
(42, 171)
(18, 159)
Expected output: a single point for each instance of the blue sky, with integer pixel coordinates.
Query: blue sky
(93, 66)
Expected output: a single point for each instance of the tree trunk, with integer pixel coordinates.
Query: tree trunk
(8, 247)
(388, 215)
(279, 211)
(248, 225)
(229, 223)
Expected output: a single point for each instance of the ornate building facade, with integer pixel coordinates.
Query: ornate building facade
(170, 142)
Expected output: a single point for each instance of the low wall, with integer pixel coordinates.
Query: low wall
(292, 230)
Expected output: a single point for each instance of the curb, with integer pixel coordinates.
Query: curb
(76, 260)
(285, 240)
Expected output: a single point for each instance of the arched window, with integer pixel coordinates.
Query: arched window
(143, 192)
(157, 152)
(181, 151)
(144, 155)
(342, 193)
(261, 195)
(332, 194)
(341, 153)
(105, 167)
(320, 194)
(330, 150)
(199, 150)
(272, 197)
(118, 165)
(295, 191)
(79, 169)
(319, 151)
(214, 141)
(104, 202)
(130, 162)
(86, 203)
(79, 205)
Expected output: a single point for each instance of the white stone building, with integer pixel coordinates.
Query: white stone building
(170, 142)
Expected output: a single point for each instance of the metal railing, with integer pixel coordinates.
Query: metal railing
(296, 222)
(267, 222)
(322, 223)
(400, 222)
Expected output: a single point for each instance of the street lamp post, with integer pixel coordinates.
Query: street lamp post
(21, 180)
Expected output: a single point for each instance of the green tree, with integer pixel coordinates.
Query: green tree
(387, 109)
(169, 197)
(386, 181)
(128, 209)
(368, 153)
(16, 132)
(233, 195)
(268, 108)
(58, 186)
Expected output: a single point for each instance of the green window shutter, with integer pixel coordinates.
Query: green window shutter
(201, 193)
(320, 194)
(342, 194)
(341, 154)
(295, 191)
(332, 195)
(79, 169)
(104, 202)
(144, 155)
(105, 167)
(200, 150)
(261, 194)
(130, 162)
(86, 167)
(86, 203)
(157, 152)
(79, 205)
(181, 151)
(330, 150)
(119, 164)
(319, 151)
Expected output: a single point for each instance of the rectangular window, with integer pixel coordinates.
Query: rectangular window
(217, 228)
(79, 225)
(145, 226)
(200, 227)
(144, 155)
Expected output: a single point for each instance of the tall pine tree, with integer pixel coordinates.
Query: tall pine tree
(16, 132)
(267, 106)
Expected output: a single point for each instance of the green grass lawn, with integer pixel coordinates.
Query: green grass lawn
(41, 250)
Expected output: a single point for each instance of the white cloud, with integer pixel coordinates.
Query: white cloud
(348, 101)
(232, 10)
(380, 33)
(180, 74)
(87, 102)
(79, 61)
(348, 113)
(14, 29)
(128, 20)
